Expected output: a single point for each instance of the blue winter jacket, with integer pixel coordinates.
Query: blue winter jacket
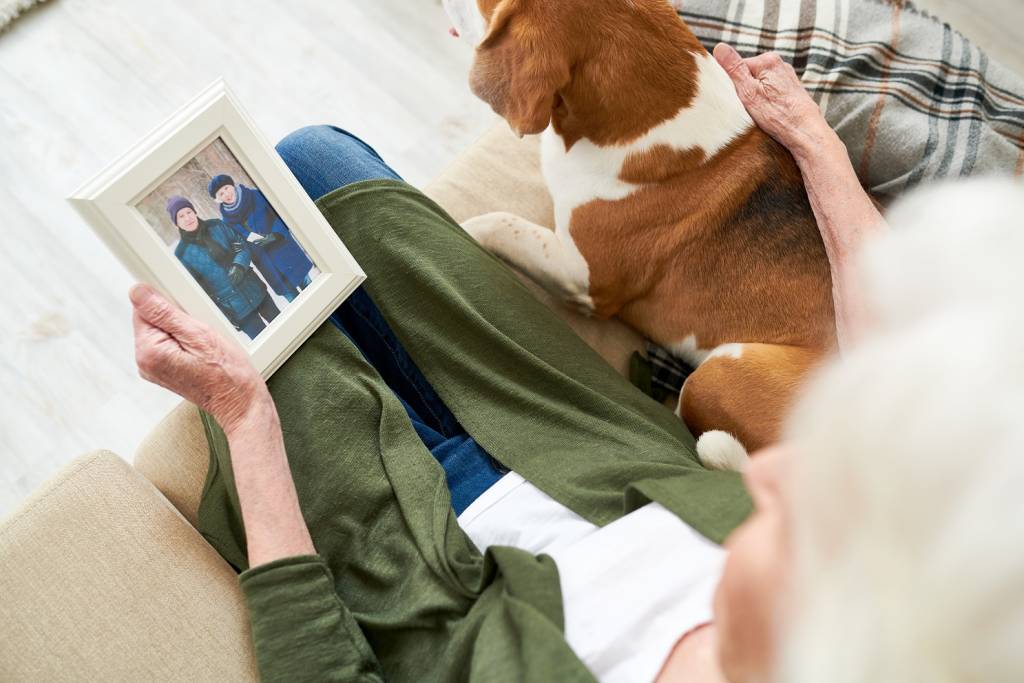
(284, 265)
(208, 254)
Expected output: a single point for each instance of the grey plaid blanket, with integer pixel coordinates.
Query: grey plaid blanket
(913, 100)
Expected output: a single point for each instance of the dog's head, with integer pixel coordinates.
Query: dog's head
(522, 58)
(538, 60)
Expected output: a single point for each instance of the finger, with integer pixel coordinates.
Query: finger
(730, 60)
(146, 335)
(140, 328)
(150, 349)
(735, 66)
(765, 62)
(153, 308)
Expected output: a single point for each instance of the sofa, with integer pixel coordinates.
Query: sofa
(103, 575)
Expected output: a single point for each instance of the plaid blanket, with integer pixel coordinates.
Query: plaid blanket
(913, 100)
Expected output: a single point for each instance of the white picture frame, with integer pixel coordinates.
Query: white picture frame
(109, 203)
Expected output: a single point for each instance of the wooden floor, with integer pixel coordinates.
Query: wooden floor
(81, 80)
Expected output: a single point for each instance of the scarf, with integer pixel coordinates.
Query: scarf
(239, 211)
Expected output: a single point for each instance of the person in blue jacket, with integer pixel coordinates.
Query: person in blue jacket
(220, 261)
(276, 254)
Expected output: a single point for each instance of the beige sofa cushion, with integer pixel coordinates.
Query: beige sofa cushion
(498, 173)
(103, 580)
(174, 456)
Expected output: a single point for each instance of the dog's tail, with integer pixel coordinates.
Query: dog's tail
(719, 450)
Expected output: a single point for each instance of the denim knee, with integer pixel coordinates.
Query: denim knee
(316, 140)
(298, 145)
(324, 158)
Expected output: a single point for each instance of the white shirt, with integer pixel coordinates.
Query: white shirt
(630, 590)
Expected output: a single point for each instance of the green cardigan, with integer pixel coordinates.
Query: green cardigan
(398, 592)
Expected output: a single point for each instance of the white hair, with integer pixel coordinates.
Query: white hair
(909, 450)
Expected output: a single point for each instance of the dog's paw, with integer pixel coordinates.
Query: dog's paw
(719, 450)
(578, 302)
(479, 228)
(484, 228)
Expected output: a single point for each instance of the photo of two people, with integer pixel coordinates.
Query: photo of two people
(222, 228)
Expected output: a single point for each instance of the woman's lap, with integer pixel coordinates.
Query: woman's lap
(323, 159)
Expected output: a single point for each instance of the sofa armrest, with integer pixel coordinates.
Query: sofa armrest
(103, 579)
(175, 458)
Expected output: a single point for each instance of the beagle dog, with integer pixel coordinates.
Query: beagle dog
(673, 211)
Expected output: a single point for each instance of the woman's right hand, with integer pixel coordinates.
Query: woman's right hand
(188, 357)
(776, 99)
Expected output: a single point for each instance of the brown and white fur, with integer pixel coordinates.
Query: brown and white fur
(673, 211)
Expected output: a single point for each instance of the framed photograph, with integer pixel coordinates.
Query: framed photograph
(205, 210)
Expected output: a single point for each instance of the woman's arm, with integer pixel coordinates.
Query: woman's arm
(301, 631)
(183, 355)
(274, 526)
(240, 247)
(846, 216)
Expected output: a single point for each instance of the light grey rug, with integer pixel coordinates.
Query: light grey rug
(10, 9)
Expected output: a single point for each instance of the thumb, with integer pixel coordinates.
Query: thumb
(154, 309)
(733, 63)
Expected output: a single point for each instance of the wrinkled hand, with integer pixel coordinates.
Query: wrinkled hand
(182, 354)
(776, 99)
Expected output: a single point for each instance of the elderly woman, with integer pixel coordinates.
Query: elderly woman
(277, 255)
(220, 260)
(595, 557)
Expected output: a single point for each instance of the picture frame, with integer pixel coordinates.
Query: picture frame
(114, 202)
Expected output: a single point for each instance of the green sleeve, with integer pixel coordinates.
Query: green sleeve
(300, 628)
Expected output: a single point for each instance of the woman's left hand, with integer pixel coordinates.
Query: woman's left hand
(776, 99)
(178, 352)
(188, 357)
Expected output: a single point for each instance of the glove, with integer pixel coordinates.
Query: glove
(236, 274)
(272, 238)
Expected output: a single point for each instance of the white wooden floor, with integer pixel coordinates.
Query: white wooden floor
(81, 80)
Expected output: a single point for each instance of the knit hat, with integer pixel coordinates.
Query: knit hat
(176, 204)
(218, 182)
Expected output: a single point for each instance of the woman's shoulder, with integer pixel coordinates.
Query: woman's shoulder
(254, 192)
(187, 253)
(215, 225)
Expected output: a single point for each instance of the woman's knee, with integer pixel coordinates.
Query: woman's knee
(313, 143)
(325, 157)
(302, 147)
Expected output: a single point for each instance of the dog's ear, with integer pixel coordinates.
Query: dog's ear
(520, 66)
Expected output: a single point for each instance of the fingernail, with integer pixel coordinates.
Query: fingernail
(725, 53)
(140, 293)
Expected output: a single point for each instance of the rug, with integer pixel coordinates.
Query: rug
(10, 9)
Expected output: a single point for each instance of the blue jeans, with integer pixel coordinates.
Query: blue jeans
(324, 158)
